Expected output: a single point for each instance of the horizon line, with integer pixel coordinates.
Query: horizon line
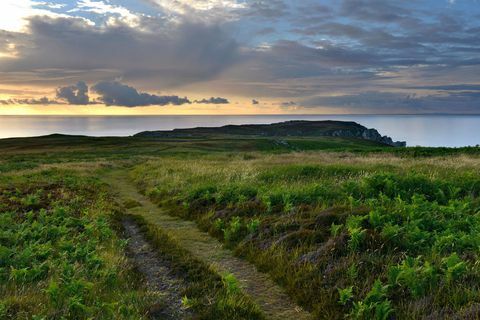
(240, 115)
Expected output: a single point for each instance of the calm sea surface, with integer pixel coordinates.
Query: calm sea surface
(422, 130)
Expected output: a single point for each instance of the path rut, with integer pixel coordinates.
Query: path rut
(271, 298)
(159, 277)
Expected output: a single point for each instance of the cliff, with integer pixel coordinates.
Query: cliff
(295, 128)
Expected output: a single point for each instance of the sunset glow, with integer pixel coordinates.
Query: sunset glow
(238, 57)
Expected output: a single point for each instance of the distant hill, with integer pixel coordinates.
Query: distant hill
(295, 128)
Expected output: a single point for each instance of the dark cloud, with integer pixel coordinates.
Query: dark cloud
(291, 69)
(213, 100)
(393, 102)
(265, 31)
(397, 34)
(255, 102)
(267, 8)
(75, 94)
(374, 10)
(40, 101)
(259, 48)
(450, 87)
(288, 104)
(117, 94)
(158, 52)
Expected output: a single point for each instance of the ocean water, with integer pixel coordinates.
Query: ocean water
(417, 130)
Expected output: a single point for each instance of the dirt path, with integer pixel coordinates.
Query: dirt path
(157, 273)
(270, 297)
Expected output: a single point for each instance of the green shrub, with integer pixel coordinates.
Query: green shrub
(375, 305)
(356, 232)
(453, 267)
(415, 274)
(253, 225)
(345, 295)
(335, 229)
(234, 230)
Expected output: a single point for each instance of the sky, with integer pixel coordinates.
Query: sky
(239, 56)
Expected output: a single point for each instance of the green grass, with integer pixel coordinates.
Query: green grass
(362, 236)
(60, 257)
(348, 227)
(29, 153)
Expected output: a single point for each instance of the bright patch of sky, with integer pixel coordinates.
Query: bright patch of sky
(13, 13)
(254, 48)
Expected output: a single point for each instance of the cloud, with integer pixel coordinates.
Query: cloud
(14, 14)
(450, 87)
(33, 101)
(269, 9)
(213, 100)
(266, 31)
(209, 11)
(117, 94)
(102, 8)
(51, 5)
(287, 104)
(395, 102)
(374, 10)
(255, 101)
(75, 94)
(168, 55)
(253, 48)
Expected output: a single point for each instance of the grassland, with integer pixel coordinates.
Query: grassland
(370, 236)
(349, 228)
(60, 256)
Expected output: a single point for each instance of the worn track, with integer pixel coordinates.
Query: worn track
(271, 298)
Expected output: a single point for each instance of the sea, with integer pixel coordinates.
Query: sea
(416, 130)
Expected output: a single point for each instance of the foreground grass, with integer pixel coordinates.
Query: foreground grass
(59, 256)
(367, 237)
(354, 230)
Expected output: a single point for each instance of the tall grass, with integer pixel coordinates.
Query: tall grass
(362, 236)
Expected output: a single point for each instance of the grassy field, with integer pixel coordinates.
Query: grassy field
(348, 227)
(60, 256)
(363, 236)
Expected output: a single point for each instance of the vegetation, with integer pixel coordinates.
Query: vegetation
(350, 228)
(362, 236)
(59, 255)
(210, 295)
(283, 129)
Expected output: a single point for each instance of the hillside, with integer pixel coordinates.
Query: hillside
(283, 129)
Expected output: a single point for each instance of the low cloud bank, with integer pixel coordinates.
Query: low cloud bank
(374, 101)
(213, 100)
(110, 93)
(114, 93)
(75, 94)
(40, 101)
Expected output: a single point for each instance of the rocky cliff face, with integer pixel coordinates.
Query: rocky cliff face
(368, 134)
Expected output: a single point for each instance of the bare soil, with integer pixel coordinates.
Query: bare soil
(158, 276)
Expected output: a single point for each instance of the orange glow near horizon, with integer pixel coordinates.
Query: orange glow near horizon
(236, 107)
(101, 110)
